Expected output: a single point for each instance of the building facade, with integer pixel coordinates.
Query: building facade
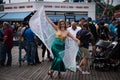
(55, 10)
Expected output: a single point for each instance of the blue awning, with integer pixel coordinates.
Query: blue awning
(15, 16)
(2, 14)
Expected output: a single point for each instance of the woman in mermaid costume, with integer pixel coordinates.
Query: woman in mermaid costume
(58, 45)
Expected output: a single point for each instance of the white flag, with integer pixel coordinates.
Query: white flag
(40, 26)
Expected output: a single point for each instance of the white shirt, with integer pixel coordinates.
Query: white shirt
(74, 32)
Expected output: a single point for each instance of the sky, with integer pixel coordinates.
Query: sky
(55, 0)
(116, 2)
(16, 1)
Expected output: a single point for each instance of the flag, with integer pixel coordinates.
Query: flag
(40, 26)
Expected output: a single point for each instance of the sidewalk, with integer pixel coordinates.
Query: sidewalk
(39, 71)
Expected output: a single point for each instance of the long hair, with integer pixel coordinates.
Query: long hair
(59, 24)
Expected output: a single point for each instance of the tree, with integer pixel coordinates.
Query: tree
(116, 11)
(117, 7)
(104, 5)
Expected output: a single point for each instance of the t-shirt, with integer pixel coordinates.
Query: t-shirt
(74, 32)
(112, 29)
(29, 35)
(93, 30)
(84, 36)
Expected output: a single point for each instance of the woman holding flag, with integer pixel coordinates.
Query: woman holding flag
(58, 45)
(56, 39)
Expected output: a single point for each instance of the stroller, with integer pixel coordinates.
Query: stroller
(107, 56)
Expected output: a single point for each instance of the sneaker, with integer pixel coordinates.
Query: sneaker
(85, 72)
(79, 68)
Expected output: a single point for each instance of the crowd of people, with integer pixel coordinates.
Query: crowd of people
(26, 39)
(83, 32)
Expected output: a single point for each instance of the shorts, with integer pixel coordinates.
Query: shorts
(84, 52)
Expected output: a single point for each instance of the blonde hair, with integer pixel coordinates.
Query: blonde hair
(59, 24)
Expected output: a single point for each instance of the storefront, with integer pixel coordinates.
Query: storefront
(55, 10)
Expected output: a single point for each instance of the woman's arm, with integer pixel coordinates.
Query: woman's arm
(53, 25)
(74, 38)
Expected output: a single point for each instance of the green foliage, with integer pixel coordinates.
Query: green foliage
(113, 9)
(117, 7)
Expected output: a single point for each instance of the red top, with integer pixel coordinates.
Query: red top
(9, 34)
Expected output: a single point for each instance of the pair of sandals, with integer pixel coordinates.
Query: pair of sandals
(50, 73)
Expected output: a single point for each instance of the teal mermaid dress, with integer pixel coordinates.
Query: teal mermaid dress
(57, 48)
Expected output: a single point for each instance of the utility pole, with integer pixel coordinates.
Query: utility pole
(9, 1)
